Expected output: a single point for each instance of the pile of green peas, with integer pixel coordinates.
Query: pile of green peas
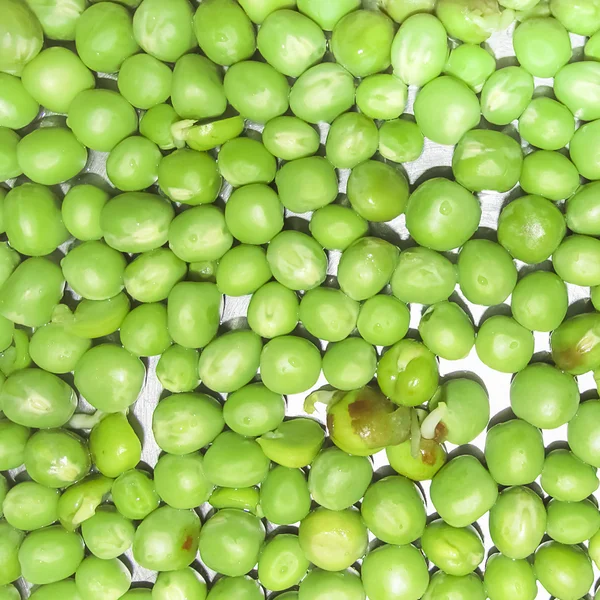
(235, 313)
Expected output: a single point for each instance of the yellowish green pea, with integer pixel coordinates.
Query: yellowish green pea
(243, 270)
(144, 330)
(290, 138)
(22, 36)
(259, 10)
(9, 165)
(400, 141)
(79, 502)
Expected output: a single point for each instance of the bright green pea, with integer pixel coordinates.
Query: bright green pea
(463, 491)
(577, 86)
(197, 91)
(81, 209)
(79, 501)
(156, 124)
(581, 210)
(447, 331)
(55, 76)
(567, 478)
(290, 138)
(65, 589)
(174, 532)
(583, 148)
(395, 573)
(349, 364)
(114, 445)
(423, 276)
(320, 585)
(133, 164)
(591, 48)
(100, 119)
(442, 215)
(235, 461)
(508, 579)
(328, 314)
(185, 582)
(253, 410)
(180, 480)
(9, 592)
(549, 174)
(230, 361)
(291, 42)
(443, 585)
(244, 160)
(400, 141)
(284, 496)
(206, 136)
(21, 34)
(144, 330)
(58, 18)
(327, 15)
(256, 90)
(16, 356)
(10, 542)
(108, 533)
(30, 505)
(297, 261)
(322, 93)
(420, 50)
(7, 329)
(383, 320)
(582, 18)
(336, 227)
(193, 312)
(472, 64)
(430, 458)
(576, 260)
(135, 498)
(572, 522)
(259, 10)
(9, 165)
(99, 579)
(456, 551)
(13, 438)
(189, 177)
(96, 318)
(177, 369)
(583, 432)
(506, 95)
(244, 588)
(547, 124)
(56, 349)
(486, 272)
(381, 96)
(17, 107)
(137, 594)
(470, 21)
(164, 30)
(574, 347)
(9, 260)
(273, 310)
(282, 563)
(400, 10)
(243, 270)
(352, 139)
(290, 365)
(243, 498)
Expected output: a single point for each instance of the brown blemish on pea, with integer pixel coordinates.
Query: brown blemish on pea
(187, 544)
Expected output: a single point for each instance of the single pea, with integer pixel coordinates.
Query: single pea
(290, 138)
(508, 579)
(472, 64)
(568, 87)
(33, 221)
(244, 588)
(9, 261)
(383, 320)
(175, 531)
(9, 165)
(9, 592)
(282, 563)
(572, 522)
(243, 270)
(506, 95)
(576, 260)
(186, 582)
(517, 522)
(573, 344)
(133, 164)
(243, 161)
(582, 19)
(184, 423)
(456, 551)
(203, 271)
(134, 495)
(259, 10)
(381, 96)
(273, 310)
(10, 543)
(290, 364)
(423, 276)
(395, 573)
(469, 22)
(30, 505)
(18, 108)
(104, 37)
(583, 148)
(447, 331)
(81, 209)
(144, 81)
(442, 585)
(102, 579)
(327, 16)
(180, 480)
(137, 594)
(581, 210)
(400, 10)
(297, 261)
(54, 591)
(114, 445)
(352, 139)
(164, 31)
(13, 438)
(107, 534)
(79, 502)
(55, 76)
(56, 349)
(284, 496)
(463, 491)
(16, 357)
(349, 364)
(400, 141)
(547, 124)
(7, 329)
(328, 314)
(207, 136)
(177, 369)
(98, 318)
(322, 93)
(591, 48)
(544, 396)
(243, 498)
(156, 124)
(582, 433)
(254, 410)
(197, 91)
(549, 174)
(593, 548)
(22, 37)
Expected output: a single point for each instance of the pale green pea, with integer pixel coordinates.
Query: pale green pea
(447, 331)
(243, 270)
(284, 496)
(22, 37)
(55, 76)
(7, 329)
(574, 348)
(9, 260)
(137, 594)
(472, 64)
(56, 349)
(508, 579)
(582, 18)
(197, 91)
(583, 431)
(65, 589)
(244, 160)
(177, 369)
(420, 50)
(352, 139)
(349, 364)
(443, 585)
(381, 96)
(242, 498)
(164, 30)
(291, 42)
(547, 124)
(549, 174)
(10, 543)
(290, 138)
(327, 15)
(273, 310)
(572, 522)
(581, 210)
(107, 534)
(132, 165)
(193, 313)
(592, 47)
(206, 136)
(577, 86)
(328, 314)
(97, 318)
(30, 505)
(81, 209)
(583, 149)
(185, 582)
(400, 10)
(13, 438)
(506, 95)
(256, 90)
(144, 330)
(99, 579)
(259, 10)
(335, 227)
(244, 588)
(576, 260)
(9, 592)
(17, 107)
(282, 563)
(114, 445)
(319, 584)
(526, 8)
(156, 124)
(400, 141)
(180, 480)
(383, 320)
(322, 93)
(58, 18)
(16, 356)
(470, 21)
(9, 165)
(79, 501)
(134, 496)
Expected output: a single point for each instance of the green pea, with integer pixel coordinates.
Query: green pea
(13, 438)
(593, 548)
(576, 260)
(568, 85)
(242, 270)
(420, 50)
(137, 594)
(430, 458)
(136, 221)
(254, 410)
(100, 119)
(144, 81)
(581, 210)
(9, 165)
(164, 31)
(583, 432)
(10, 543)
(189, 177)
(54, 591)
(395, 573)
(539, 301)
(383, 320)
(297, 261)
(322, 93)
(291, 42)
(289, 364)
(175, 531)
(6, 333)
(256, 90)
(506, 94)
(549, 174)
(381, 96)
(583, 148)
(33, 221)
(572, 522)
(506, 579)
(408, 373)
(81, 209)
(457, 551)
(180, 480)
(17, 107)
(22, 37)
(463, 491)
(327, 15)
(349, 364)
(235, 461)
(564, 571)
(574, 348)
(177, 369)
(400, 141)
(284, 496)
(259, 10)
(290, 138)
(56, 349)
(442, 585)
(138, 151)
(333, 540)
(544, 396)
(352, 139)
(582, 19)
(144, 331)
(16, 356)
(156, 124)
(106, 579)
(9, 592)
(197, 91)
(273, 310)
(35, 398)
(244, 588)
(447, 331)
(328, 314)
(400, 10)
(547, 124)
(591, 50)
(9, 260)
(79, 502)
(184, 423)
(243, 498)
(206, 136)
(186, 582)
(469, 21)
(244, 160)
(134, 496)
(517, 522)
(98, 318)
(114, 445)
(107, 534)
(472, 64)
(29, 506)
(281, 563)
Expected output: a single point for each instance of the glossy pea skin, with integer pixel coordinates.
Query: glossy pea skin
(16, 356)
(98, 578)
(328, 313)
(244, 588)
(144, 331)
(581, 210)
(79, 502)
(349, 364)
(472, 64)
(156, 123)
(59, 589)
(568, 84)
(9, 165)
(30, 505)
(506, 579)
(290, 138)
(381, 96)
(207, 136)
(243, 161)
(282, 563)
(55, 349)
(97, 318)
(583, 432)
(9, 260)
(22, 35)
(549, 174)
(253, 410)
(134, 495)
(19, 109)
(327, 16)
(59, 18)
(467, 586)
(81, 208)
(243, 270)
(177, 369)
(132, 165)
(573, 347)
(583, 19)
(273, 310)
(185, 581)
(9, 547)
(13, 438)
(352, 139)
(547, 124)
(284, 496)
(447, 331)
(383, 320)
(180, 480)
(583, 148)
(144, 81)
(576, 260)
(572, 522)
(243, 498)
(506, 95)
(107, 534)
(400, 141)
